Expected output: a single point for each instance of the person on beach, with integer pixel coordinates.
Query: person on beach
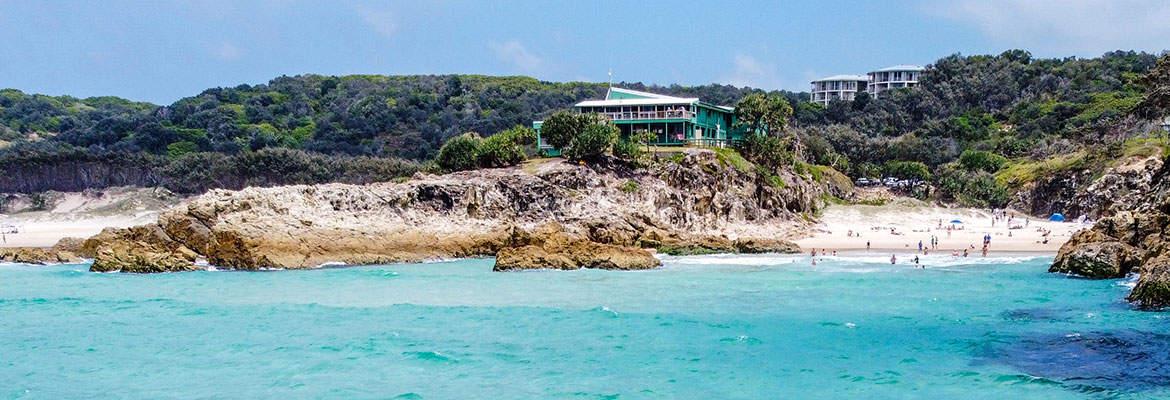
(964, 253)
(866, 245)
(893, 259)
(813, 253)
(919, 245)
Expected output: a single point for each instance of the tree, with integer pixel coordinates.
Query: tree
(579, 136)
(766, 114)
(593, 141)
(974, 160)
(644, 137)
(561, 127)
(1157, 86)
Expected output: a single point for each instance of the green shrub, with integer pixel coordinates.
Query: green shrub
(768, 151)
(579, 136)
(973, 189)
(458, 154)
(505, 148)
(974, 160)
(628, 151)
(629, 186)
(593, 141)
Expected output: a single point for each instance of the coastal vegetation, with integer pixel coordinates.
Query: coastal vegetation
(977, 127)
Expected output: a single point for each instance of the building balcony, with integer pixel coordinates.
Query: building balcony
(647, 115)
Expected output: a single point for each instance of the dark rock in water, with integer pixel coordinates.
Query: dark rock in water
(1153, 287)
(1035, 314)
(1088, 253)
(1125, 361)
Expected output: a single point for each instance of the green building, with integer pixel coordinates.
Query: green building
(677, 121)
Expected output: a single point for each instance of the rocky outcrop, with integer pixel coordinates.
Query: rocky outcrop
(141, 249)
(571, 216)
(32, 255)
(1088, 253)
(1091, 192)
(1125, 242)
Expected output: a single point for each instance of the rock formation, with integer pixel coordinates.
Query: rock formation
(1125, 242)
(556, 215)
(1091, 192)
(32, 255)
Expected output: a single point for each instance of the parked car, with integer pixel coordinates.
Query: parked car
(862, 182)
(891, 182)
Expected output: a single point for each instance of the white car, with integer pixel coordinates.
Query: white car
(862, 181)
(891, 182)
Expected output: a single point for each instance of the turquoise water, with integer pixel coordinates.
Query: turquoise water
(699, 327)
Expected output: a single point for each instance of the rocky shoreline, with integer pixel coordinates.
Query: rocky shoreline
(1126, 242)
(549, 214)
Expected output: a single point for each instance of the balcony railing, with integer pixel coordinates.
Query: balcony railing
(644, 115)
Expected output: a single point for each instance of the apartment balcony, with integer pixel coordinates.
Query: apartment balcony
(647, 115)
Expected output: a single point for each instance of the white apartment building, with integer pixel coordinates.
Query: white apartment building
(898, 76)
(837, 87)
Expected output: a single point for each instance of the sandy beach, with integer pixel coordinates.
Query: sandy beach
(899, 226)
(83, 214)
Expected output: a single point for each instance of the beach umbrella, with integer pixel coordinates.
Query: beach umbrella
(955, 221)
(1056, 217)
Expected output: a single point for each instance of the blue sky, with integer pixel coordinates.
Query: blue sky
(160, 51)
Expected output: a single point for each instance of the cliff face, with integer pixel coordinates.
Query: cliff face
(697, 203)
(1091, 192)
(1136, 240)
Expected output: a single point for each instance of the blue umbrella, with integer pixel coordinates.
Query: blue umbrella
(1056, 217)
(955, 221)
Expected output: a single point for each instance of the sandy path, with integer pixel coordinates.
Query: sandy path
(915, 221)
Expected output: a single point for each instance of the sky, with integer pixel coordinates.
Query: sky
(161, 50)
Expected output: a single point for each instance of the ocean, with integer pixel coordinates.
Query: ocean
(699, 327)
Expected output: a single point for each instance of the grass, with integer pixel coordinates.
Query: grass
(771, 178)
(533, 164)
(874, 202)
(629, 186)
(733, 158)
(1017, 174)
(1145, 147)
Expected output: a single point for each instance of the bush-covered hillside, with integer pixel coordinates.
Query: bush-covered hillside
(1009, 105)
(396, 117)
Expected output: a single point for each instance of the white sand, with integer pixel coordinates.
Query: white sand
(914, 221)
(45, 232)
(84, 214)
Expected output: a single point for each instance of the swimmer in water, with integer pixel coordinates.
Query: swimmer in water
(893, 259)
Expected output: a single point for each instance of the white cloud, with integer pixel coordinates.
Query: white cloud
(1067, 27)
(381, 21)
(515, 53)
(226, 51)
(747, 71)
